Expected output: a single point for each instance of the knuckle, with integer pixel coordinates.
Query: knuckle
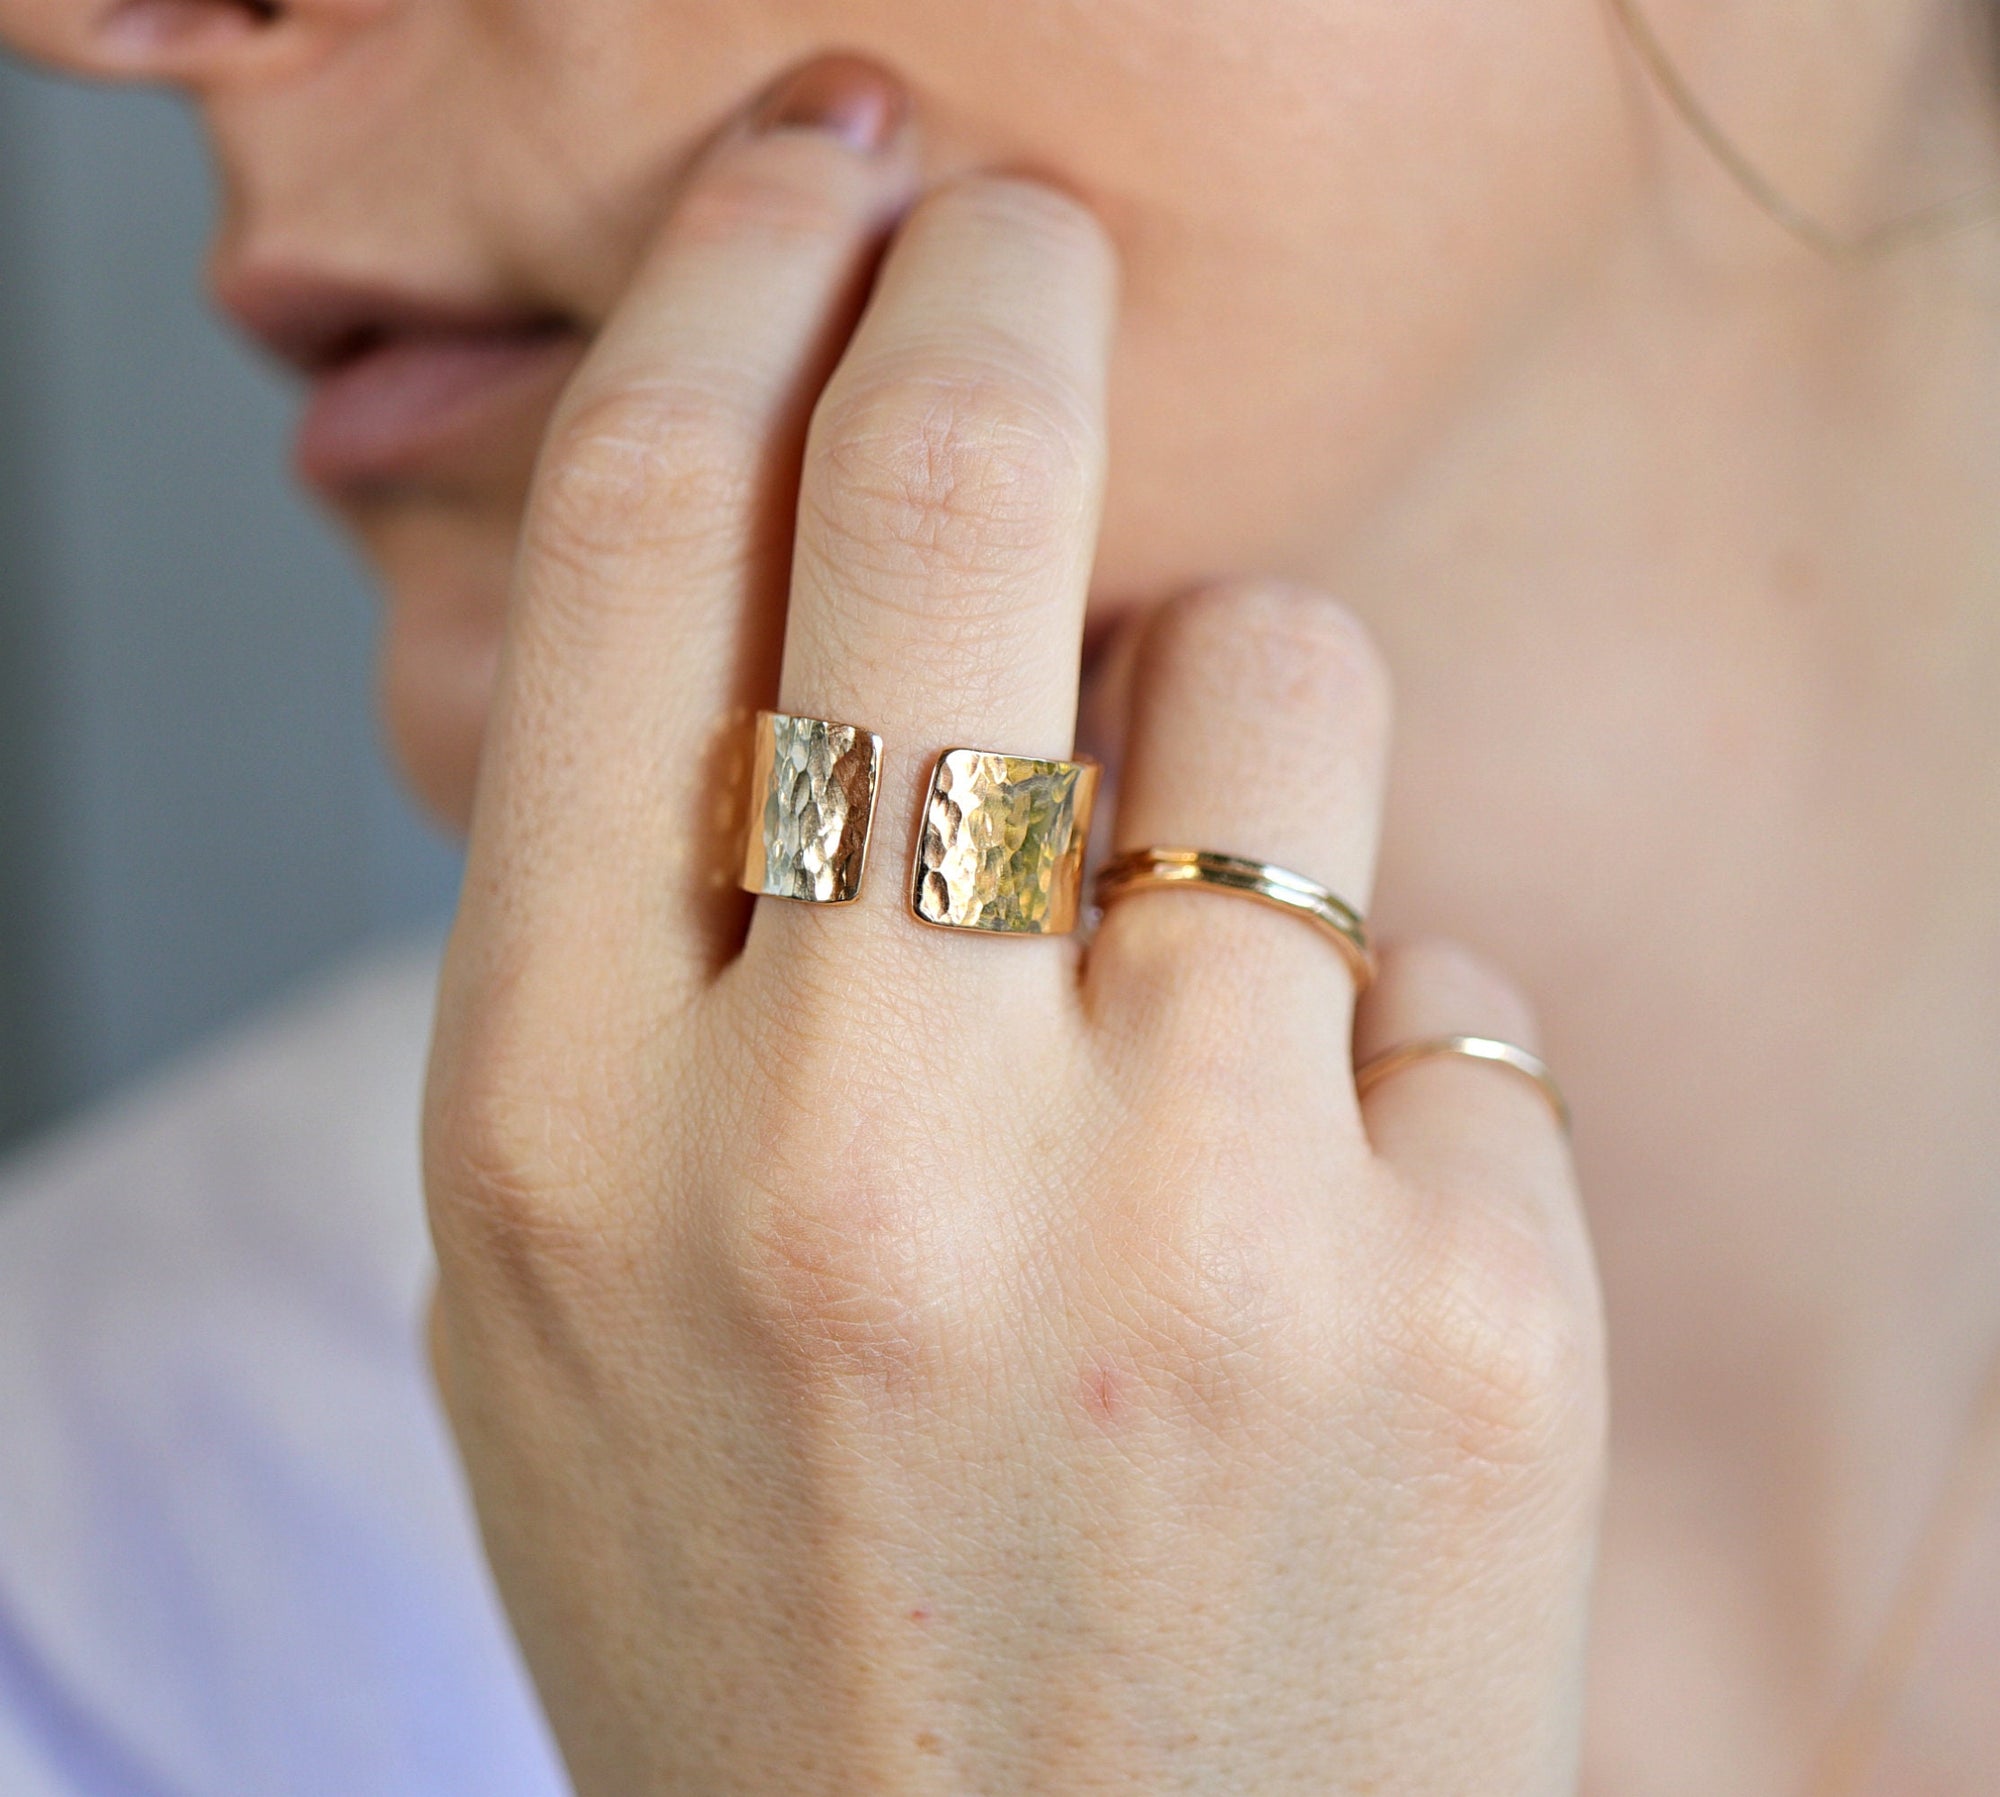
(502, 1149)
(512, 1218)
(1301, 650)
(638, 471)
(960, 471)
(835, 1265)
(1495, 1366)
(1205, 1327)
(829, 1292)
(522, 1109)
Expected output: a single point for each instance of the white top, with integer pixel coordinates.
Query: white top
(235, 1556)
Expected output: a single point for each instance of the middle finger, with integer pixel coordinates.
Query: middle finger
(948, 520)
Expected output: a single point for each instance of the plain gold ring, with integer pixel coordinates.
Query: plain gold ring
(1138, 869)
(1372, 1072)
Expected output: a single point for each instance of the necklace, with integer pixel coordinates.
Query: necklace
(1853, 1747)
(1936, 220)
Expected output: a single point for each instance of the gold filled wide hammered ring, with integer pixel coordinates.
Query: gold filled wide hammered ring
(1001, 842)
(1138, 869)
(812, 805)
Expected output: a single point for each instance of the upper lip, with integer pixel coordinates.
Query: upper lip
(316, 323)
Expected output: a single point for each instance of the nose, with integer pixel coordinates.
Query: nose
(197, 44)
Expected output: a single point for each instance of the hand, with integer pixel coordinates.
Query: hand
(896, 1360)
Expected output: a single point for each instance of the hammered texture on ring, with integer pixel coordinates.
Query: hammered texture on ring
(1138, 869)
(812, 805)
(1001, 843)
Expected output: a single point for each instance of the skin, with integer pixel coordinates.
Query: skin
(1680, 545)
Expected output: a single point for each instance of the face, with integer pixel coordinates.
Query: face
(1332, 216)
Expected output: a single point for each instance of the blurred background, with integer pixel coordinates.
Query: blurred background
(194, 810)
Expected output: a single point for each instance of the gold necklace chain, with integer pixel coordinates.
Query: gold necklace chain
(1937, 220)
(1853, 1747)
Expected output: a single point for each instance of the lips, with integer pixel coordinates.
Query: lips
(403, 389)
(413, 403)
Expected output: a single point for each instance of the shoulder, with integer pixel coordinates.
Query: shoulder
(233, 1552)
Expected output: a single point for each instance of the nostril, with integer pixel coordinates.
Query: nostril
(145, 30)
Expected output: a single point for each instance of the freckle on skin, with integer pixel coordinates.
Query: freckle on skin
(1796, 575)
(920, 1615)
(929, 1743)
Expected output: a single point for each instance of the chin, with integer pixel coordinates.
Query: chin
(444, 571)
(436, 671)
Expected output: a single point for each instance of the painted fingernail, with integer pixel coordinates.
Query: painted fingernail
(852, 99)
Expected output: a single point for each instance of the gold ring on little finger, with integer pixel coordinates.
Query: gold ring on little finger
(1510, 1055)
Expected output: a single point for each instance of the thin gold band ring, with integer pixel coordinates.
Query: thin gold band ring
(1371, 1073)
(1139, 868)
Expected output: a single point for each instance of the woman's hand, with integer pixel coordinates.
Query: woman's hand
(892, 1359)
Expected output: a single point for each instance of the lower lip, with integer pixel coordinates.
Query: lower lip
(421, 402)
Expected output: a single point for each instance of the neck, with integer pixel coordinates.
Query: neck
(1696, 614)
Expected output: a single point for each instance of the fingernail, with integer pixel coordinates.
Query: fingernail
(852, 99)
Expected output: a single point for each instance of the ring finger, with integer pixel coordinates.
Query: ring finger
(1259, 729)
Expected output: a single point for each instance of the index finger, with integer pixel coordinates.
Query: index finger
(650, 578)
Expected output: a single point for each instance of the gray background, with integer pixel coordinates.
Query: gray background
(194, 810)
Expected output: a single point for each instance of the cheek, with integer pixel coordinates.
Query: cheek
(446, 583)
(1335, 218)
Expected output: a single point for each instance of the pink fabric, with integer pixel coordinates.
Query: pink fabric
(235, 1559)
